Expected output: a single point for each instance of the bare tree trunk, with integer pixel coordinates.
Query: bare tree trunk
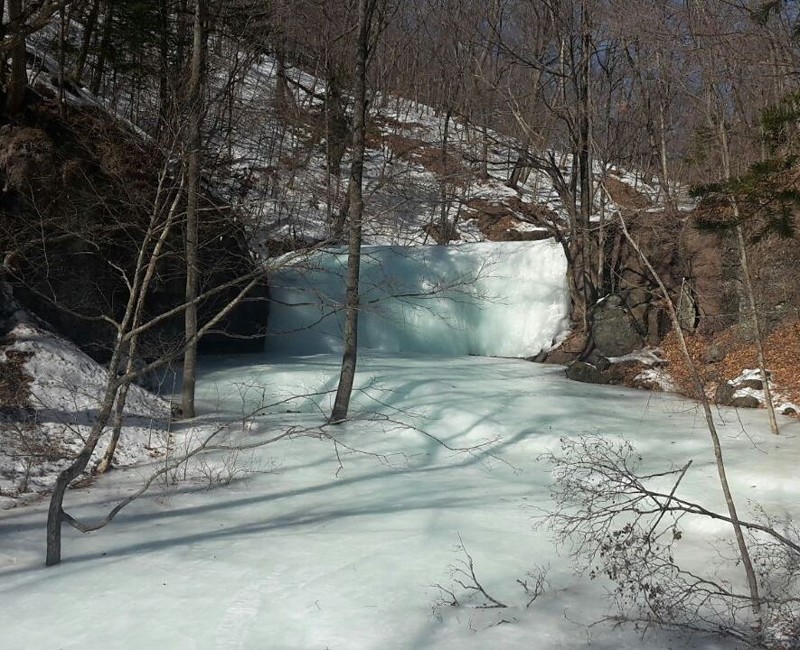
(193, 192)
(443, 181)
(18, 82)
(63, 28)
(585, 167)
(86, 40)
(352, 298)
(119, 408)
(748, 284)
(164, 94)
(759, 334)
(105, 44)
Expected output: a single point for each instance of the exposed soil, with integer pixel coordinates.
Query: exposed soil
(501, 220)
(626, 196)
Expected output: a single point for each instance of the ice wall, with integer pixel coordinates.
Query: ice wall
(491, 299)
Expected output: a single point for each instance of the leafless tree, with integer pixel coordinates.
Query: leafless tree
(366, 14)
(626, 524)
(193, 175)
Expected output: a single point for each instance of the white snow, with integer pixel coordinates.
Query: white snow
(306, 553)
(781, 403)
(65, 394)
(504, 299)
(333, 537)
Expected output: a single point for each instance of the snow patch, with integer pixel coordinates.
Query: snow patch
(65, 394)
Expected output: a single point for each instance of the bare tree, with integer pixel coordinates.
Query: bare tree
(193, 172)
(366, 12)
(699, 389)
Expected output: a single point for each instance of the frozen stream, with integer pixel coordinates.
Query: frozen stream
(305, 553)
(335, 537)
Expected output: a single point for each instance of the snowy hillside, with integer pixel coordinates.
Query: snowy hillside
(420, 171)
(421, 521)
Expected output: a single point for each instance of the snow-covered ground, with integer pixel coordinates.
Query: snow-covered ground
(66, 390)
(337, 536)
(327, 544)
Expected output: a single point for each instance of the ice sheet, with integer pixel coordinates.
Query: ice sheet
(306, 553)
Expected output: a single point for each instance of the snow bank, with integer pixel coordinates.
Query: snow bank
(506, 299)
(65, 394)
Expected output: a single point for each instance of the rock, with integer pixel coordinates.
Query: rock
(715, 353)
(585, 372)
(745, 402)
(687, 309)
(613, 331)
(568, 350)
(561, 357)
(755, 384)
(624, 372)
(788, 410)
(724, 393)
(658, 324)
(8, 308)
(598, 361)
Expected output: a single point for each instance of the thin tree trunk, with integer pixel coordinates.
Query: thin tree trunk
(86, 40)
(193, 192)
(105, 44)
(744, 553)
(18, 82)
(352, 299)
(62, 39)
(585, 168)
(748, 284)
(445, 177)
(164, 93)
(751, 299)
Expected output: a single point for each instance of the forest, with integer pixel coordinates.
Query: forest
(515, 275)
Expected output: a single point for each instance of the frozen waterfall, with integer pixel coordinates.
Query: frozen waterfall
(490, 299)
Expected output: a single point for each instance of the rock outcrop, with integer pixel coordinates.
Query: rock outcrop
(76, 201)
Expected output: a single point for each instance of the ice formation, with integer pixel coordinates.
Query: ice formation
(500, 299)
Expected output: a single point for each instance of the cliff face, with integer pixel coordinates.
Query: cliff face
(703, 274)
(77, 195)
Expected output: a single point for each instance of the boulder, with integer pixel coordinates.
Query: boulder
(613, 329)
(724, 393)
(715, 353)
(746, 402)
(755, 384)
(585, 372)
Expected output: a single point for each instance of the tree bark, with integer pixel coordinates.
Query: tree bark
(193, 192)
(352, 298)
(18, 82)
(756, 321)
(744, 553)
(105, 44)
(86, 41)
